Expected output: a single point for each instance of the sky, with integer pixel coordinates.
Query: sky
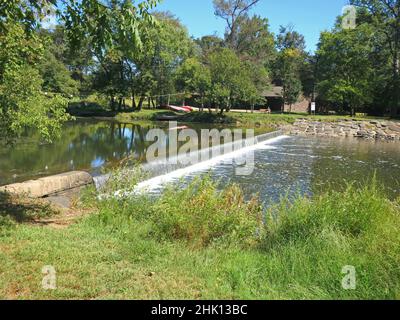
(309, 17)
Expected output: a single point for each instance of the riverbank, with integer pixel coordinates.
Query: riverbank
(185, 246)
(254, 120)
(294, 124)
(94, 108)
(372, 129)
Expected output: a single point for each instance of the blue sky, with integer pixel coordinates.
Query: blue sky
(309, 17)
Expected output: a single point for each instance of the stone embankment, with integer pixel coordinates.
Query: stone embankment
(372, 130)
(49, 186)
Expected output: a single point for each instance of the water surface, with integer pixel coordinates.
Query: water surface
(295, 164)
(303, 165)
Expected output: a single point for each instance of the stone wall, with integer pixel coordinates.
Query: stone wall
(302, 106)
(377, 130)
(49, 185)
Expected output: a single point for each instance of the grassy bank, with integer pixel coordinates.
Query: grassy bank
(240, 119)
(97, 107)
(201, 243)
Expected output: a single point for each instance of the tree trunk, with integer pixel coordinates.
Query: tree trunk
(396, 85)
(352, 111)
(140, 105)
(120, 104)
(133, 100)
(112, 103)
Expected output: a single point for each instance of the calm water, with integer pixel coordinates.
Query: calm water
(84, 145)
(291, 165)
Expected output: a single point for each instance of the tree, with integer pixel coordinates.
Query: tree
(55, 74)
(232, 11)
(254, 41)
(386, 19)
(345, 74)
(27, 13)
(165, 47)
(230, 80)
(172, 45)
(288, 38)
(108, 24)
(194, 78)
(22, 103)
(109, 78)
(79, 63)
(291, 89)
(289, 62)
(148, 71)
(208, 44)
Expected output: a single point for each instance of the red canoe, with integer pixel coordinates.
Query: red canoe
(181, 109)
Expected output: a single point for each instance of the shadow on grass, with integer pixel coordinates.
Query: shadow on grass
(194, 117)
(89, 109)
(20, 210)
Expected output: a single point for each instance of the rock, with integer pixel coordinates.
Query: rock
(370, 130)
(60, 201)
(394, 128)
(362, 133)
(49, 185)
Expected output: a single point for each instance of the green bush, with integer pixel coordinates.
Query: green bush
(201, 215)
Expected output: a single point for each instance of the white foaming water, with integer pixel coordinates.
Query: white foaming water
(156, 182)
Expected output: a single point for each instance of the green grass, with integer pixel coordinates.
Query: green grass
(187, 245)
(98, 107)
(247, 120)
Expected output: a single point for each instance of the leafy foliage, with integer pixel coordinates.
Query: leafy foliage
(230, 79)
(385, 18)
(344, 68)
(289, 62)
(22, 103)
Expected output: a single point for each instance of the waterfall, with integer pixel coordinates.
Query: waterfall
(161, 172)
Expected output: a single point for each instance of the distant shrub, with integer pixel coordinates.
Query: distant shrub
(201, 214)
(122, 180)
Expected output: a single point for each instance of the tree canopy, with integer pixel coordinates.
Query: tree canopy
(132, 56)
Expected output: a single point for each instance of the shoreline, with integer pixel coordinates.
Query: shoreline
(367, 130)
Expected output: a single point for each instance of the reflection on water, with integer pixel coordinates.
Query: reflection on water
(84, 145)
(310, 166)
